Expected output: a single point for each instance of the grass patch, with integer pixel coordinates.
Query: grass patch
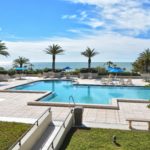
(101, 139)
(10, 132)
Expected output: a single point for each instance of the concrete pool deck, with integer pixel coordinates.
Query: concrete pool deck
(136, 82)
(13, 107)
(12, 83)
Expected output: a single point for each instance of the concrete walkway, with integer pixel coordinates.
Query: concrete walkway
(108, 118)
(13, 107)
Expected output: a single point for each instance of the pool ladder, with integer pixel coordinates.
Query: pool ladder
(71, 99)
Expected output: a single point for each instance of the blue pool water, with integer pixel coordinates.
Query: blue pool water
(83, 93)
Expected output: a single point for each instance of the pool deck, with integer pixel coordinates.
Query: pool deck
(136, 82)
(13, 107)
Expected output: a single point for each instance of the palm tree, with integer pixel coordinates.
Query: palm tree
(142, 64)
(109, 63)
(114, 65)
(54, 50)
(21, 61)
(31, 66)
(89, 53)
(3, 49)
(145, 58)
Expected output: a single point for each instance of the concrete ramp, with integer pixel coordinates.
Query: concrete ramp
(48, 136)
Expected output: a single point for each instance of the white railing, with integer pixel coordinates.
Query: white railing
(19, 142)
(64, 128)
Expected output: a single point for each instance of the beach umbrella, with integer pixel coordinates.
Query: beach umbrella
(115, 70)
(67, 68)
(20, 69)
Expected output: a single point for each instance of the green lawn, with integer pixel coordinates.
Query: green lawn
(101, 139)
(10, 132)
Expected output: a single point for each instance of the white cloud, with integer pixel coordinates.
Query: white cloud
(83, 15)
(129, 15)
(111, 46)
(96, 2)
(74, 31)
(94, 23)
(85, 19)
(69, 16)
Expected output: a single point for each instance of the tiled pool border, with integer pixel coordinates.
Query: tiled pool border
(37, 102)
(113, 105)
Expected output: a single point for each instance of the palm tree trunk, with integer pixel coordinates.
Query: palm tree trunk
(53, 63)
(147, 66)
(89, 63)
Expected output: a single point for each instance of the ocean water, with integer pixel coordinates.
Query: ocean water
(74, 65)
(78, 65)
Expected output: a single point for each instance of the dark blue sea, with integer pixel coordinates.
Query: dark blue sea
(75, 65)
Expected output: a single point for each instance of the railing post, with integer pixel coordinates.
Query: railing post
(37, 123)
(52, 145)
(71, 111)
(64, 124)
(20, 143)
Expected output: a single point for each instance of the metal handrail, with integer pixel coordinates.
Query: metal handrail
(71, 98)
(62, 126)
(23, 135)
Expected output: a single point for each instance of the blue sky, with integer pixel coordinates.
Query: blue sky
(118, 29)
(34, 19)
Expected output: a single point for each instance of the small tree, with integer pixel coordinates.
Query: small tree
(89, 53)
(19, 62)
(109, 63)
(54, 50)
(142, 64)
(3, 49)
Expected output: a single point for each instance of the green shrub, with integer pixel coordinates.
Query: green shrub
(119, 74)
(37, 71)
(11, 72)
(46, 70)
(2, 69)
(86, 70)
(3, 72)
(102, 70)
(49, 70)
(148, 106)
(75, 72)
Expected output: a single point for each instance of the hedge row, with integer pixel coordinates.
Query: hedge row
(76, 72)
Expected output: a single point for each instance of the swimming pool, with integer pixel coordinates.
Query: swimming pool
(84, 94)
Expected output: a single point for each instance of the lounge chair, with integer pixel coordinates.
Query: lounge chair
(45, 75)
(90, 76)
(103, 81)
(82, 76)
(110, 81)
(68, 76)
(51, 75)
(75, 81)
(122, 82)
(129, 82)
